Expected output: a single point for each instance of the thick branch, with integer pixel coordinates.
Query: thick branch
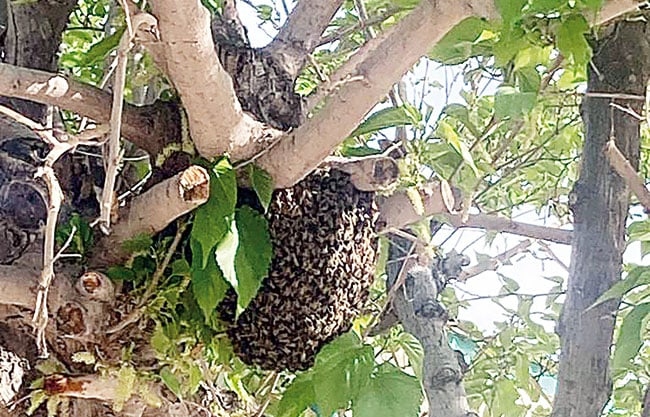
(299, 152)
(302, 32)
(150, 128)
(613, 9)
(217, 122)
(600, 203)
(418, 309)
(154, 210)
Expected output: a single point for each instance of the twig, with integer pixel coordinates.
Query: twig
(276, 379)
(623, 168)
(135, 315)
(546, 248)
(66, 244)
(493, 263)
(137, 22)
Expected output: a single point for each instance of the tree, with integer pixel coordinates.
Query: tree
(139, 325)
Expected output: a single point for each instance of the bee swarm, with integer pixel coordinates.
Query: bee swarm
(325, 250)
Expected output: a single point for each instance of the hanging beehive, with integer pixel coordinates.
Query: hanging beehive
(322, 231)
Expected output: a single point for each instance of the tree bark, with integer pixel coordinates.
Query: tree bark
(416, 289)
(600, 201)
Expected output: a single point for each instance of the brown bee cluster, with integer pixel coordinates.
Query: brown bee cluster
(325, 250)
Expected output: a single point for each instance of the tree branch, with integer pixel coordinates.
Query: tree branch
(301, 34)
(613, 9)
(150, 128)
(187, 55)
(504, 225)
(398, 211)
(152, 211)
(300, 151)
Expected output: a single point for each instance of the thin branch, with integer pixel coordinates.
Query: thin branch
(138, 23)
(493, 264)
(135, 315)
(623, 168)
(502, 224)
(614, 9)
(371, 21)
(55, 196)
(398, 211)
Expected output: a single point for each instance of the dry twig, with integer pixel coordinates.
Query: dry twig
(623, 168)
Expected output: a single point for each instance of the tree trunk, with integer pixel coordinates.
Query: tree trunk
(600, 201)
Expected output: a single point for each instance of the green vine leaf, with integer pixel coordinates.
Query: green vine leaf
(296, 398)
(385, 118)
(171, 381)
(571, 40)
(510, 102)
(463, 41)
(630, 338)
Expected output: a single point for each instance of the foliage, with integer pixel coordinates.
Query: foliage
(493, 110)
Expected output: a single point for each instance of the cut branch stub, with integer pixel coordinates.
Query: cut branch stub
(152, 211)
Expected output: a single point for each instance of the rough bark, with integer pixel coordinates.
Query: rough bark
(600, 202)
(302, 32)
(416, 289)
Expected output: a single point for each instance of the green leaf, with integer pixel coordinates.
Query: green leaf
(510, 10)
(461, 42)
(447, 132)
(296, 398)
(341, 369)
(638, 276)
(571, 42)
(180, 268)
(460, 113)
(212, 219)
(630, 337)
(208, 284)
(509, 102)
(99, 51)
(225, 255)
(389, 393)
(385, 118)
(253, 256)
(414, 351)
(121, 273)
(36, 398)
(639, 231)
(262, 184)
(138, 244)
(171, 381)
(545, 6)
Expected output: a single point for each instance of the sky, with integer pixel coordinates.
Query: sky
(528, 270)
